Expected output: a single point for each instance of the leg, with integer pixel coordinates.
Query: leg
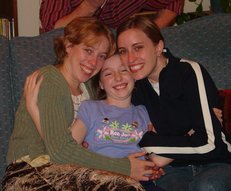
(176, 178)
(212, 177)
(150, 186)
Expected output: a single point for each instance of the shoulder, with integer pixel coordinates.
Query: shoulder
(140, 109)
(52, 76)
(90, 104)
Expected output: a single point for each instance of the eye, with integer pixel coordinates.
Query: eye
(103, 57)
(122, 51)
(137, 48)
(124, 70)
(89, 51)
(107, 74)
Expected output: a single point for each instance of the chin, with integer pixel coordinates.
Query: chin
(138, 76)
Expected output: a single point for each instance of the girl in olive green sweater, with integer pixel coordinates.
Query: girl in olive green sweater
(81, 52)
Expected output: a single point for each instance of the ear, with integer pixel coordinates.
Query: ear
(101, 85)
(68, 46)
(160, 47)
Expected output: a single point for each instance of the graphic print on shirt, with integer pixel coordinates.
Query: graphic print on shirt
(116, 132)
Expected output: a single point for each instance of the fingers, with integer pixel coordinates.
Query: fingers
(31, 80)
(218, 114)
(151, 127)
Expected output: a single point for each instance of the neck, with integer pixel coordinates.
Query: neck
(73, 84)
(123, 103)
(161, 63)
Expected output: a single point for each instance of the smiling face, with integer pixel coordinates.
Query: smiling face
(117, 81)
(138, 52)
(84, 61)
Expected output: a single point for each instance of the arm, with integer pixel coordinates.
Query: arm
(56, 115)
(86, 8)
(159, 160)
(78, 131)
(197, 115)
(165, 18)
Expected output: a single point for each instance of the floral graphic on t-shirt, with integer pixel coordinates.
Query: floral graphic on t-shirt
(127, 127)
(115, 124)
(119, 133)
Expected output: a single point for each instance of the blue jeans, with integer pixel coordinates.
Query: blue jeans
(208, 177)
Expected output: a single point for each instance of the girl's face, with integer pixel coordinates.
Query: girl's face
(116, 80)
(84, 61)
(138, 52)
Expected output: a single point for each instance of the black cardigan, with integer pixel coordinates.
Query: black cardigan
(178, 109)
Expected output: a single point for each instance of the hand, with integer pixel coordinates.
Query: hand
(140, 168)
(218, 114)
(31, 90)
(151, 128)
(157, 173)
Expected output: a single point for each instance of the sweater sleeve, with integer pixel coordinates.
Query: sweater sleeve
(56, 115)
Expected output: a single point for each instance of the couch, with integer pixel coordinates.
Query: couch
(206, 40)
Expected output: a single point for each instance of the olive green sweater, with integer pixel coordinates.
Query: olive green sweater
(56, 115)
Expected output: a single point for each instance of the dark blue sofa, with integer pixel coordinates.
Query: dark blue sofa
(206, 40)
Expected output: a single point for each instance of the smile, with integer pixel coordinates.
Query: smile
(135, 68)
(120, 86)
(86, 69)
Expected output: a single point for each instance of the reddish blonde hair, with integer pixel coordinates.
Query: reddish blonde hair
(85, 30)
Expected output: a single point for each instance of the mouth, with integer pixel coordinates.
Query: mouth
(86, 69)
(136, 67)
(120, 86)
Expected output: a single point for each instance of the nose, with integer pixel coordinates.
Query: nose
(131, 57)
(118, 76)
(93, 61)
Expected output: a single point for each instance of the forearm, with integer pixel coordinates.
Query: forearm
(159, 160)
(36, 120)
(165, 18)
(84, 9)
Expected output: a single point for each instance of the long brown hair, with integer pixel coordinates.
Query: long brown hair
(83, 30)
(144, 24)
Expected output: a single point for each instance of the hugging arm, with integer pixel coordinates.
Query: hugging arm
(60, 146)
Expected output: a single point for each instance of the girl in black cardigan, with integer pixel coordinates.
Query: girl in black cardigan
(179, 96)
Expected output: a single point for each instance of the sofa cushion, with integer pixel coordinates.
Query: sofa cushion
(6, 111)
(206, 40)
(29, 54)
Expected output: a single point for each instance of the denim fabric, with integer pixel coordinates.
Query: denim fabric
(209, 177)
(150, 186)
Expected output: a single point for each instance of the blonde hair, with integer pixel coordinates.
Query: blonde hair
(85, 30)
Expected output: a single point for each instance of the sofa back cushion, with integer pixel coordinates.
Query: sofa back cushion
(6, 111)
(206, 40)
(29, 54)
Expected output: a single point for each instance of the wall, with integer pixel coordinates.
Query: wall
(191, 6)
(28, 15)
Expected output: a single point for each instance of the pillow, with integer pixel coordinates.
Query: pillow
(226, 108)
